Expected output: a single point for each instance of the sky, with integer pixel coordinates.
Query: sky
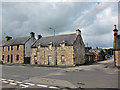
(95, 20)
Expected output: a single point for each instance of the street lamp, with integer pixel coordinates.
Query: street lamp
(55, 61)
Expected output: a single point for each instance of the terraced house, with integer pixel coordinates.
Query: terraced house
(62, 50)
(116, 47)
(17, 50)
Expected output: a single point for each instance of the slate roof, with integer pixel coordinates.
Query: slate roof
(16, 41)
(56, 40)
(2, 42)
(118, 42)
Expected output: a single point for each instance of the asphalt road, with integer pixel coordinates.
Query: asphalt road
(98, 75)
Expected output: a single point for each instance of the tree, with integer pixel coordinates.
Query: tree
(102, 53)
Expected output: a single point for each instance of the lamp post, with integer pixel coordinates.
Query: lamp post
(55, 55)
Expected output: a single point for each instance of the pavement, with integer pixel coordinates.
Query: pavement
(98, 75)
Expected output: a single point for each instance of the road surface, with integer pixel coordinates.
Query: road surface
(97, 75)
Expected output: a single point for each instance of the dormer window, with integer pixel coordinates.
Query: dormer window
(62, 44)
(39, 45)
(50, 45)
(38, 49)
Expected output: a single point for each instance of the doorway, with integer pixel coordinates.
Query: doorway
(49, 60)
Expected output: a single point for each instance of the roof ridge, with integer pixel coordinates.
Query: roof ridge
(19, 37)
(60, 35)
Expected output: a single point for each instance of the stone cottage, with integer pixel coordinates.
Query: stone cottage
(2, 42)
(116, 47)
(61, 50)
(17, 50)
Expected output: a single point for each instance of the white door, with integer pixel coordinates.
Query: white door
(49, 60)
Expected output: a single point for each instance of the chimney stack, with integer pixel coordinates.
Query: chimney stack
(114, 26)
(39, 36)
(78, 32)
(115, 31)
(8, 38)
(32, 34)
(115, 42)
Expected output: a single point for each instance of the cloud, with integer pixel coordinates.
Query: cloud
(95, 20)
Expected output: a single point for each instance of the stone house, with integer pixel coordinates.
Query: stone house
(17, 50)
(89, 56)
(2, 42)
(61, 50)
(116, 47)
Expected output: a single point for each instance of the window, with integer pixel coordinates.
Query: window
(2, 57)
(11, 58)
(62, 46)
(8, 59)
(62, 58)
(17, 47)
(17, 58)
(8, 48)
(50, 47)
(3, 48)
(11, 47)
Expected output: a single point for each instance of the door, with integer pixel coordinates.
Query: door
(49, 60)
(11, 58)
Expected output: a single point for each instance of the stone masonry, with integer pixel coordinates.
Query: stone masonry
(13, 59)
(64, 50)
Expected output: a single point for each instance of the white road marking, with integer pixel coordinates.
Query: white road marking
(42, 85)
(10, 80)
(3, 79)
(24, 86)
(53, 87)
(13, 83)
(30, 84)
(19, 82)
(5, 82)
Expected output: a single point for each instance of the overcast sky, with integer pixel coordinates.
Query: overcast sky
(95, 20)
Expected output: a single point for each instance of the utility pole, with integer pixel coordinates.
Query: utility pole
(55, 55)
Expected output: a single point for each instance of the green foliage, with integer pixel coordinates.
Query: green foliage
(102, 53)
(110, 51)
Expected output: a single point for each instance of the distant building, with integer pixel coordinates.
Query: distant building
(16, 50)
(62, 50)
(89, 56)
(116, 47)
(96, 52)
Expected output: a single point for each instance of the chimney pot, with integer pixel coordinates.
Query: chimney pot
(8, 38)
(78, 32)
(115, 31)
(39, 36)
(114, 26)
(32, 34)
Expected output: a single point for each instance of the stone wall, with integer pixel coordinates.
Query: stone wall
(79, 51)
(67, 52)
(117, 54)
(13, 52)
(42, 53)
(33, 54)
